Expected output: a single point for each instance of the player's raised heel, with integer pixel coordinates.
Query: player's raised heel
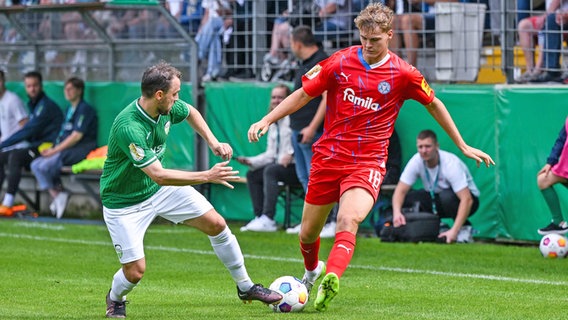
(310, 277)
(327, 290)
(260, 293)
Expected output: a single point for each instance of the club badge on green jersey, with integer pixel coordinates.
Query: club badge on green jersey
(136, 152)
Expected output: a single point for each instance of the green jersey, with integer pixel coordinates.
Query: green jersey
(136, 140)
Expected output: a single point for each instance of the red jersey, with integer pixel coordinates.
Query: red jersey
(363, 102)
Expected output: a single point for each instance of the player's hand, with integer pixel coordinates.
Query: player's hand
(243, 160)
(450, 235)
(398, 219)
(257, 130)
(479, 156)
(307, 135)
(286, 160)
(545, 170)
(223, 150)
(220, 173)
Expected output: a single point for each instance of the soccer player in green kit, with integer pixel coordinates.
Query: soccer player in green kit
(135, 188)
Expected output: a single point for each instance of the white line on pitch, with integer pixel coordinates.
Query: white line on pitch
(250, 256)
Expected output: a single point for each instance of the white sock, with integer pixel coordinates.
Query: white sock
(227, 249)
(120, 286)
(8, 200)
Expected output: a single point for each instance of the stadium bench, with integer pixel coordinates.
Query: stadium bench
(32, 195)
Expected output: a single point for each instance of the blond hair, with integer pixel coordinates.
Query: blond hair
(375, 15)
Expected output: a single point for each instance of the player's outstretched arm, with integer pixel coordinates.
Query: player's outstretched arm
(220, 173)
(197, 122)
(439, 112)
(293, 102)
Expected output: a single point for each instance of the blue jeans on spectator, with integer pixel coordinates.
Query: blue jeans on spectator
(47, 171)
(552, 44)
(209, 43)
(303, 156)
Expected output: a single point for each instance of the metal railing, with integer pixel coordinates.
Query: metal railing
(86, 39)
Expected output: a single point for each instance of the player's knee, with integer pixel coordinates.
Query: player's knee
(135, 271)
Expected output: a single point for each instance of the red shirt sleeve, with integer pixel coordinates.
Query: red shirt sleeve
(418, 88)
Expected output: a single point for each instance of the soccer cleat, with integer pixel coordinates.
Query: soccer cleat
(561, 228)
(310, 277)
(6, 211)
(294, 230)
(327, 290)
(328, 230)
(115, 309)
(260, 293)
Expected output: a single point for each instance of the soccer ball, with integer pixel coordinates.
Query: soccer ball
(553, 246)
(294, 294)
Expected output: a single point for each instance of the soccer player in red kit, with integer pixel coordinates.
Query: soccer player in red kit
(366, 87)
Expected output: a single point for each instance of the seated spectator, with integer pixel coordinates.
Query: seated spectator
(416, 24)
(191, 15)
(555, 171)
(335, 17)
(21, 147)
(555, 24)
(216, 19)
(529, 29)
(76, 138)
(13, 116)
(449, 190)
(268, 168)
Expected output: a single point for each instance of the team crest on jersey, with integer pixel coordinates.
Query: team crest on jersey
(384, 87)
(313, 72)
(167, 127)
(118, 250)
(136, 152)
(425, 87)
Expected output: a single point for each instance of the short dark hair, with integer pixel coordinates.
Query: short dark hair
(158, 77)
(2, 75)
(425, 134)
(303, 34)
(283, 86)
(77, 83)
(34, 74)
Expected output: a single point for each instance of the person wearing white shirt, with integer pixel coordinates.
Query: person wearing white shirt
(449, 190)
(268, 168)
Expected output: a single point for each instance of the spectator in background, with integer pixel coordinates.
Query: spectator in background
(13, 116)
(449, 190)
(216, 19)
(416, 24)
(335, 18)
(555, 171)
(554, 27)
(191, 15)
(307, 122)
(274, 165)
(77, 137)
(22, 146)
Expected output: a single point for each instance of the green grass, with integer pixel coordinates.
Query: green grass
(63, 271)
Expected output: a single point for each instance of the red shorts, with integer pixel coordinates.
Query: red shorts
(329, 179)
(537, 21)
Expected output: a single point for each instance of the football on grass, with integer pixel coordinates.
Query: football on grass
(553, 246)
(294, 294)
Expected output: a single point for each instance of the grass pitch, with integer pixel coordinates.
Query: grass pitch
(63, 271)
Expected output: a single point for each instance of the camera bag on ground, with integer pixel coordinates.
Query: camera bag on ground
(420, 227)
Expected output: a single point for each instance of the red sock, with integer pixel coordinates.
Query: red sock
(310, 252)
(341, 253)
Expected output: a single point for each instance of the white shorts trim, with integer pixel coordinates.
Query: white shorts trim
(127, 226)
